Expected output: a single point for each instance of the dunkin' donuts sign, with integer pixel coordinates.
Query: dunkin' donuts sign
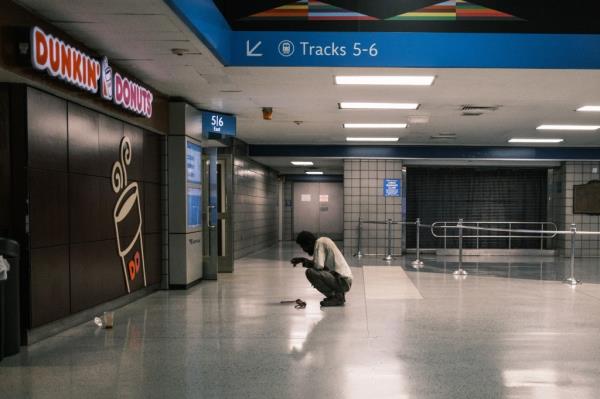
(67, 63)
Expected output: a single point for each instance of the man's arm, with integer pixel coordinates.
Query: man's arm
(305, 262)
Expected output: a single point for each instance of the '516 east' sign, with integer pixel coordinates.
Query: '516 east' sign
(69, 64)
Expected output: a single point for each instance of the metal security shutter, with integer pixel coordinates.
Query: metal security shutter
(474, 194)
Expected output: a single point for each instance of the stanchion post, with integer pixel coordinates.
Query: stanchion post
(571, 280)
(460, 271)
(359, 253)
(418, 263)
(542, 240)
(388, 257)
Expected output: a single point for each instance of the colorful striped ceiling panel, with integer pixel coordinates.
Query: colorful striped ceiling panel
(319, 11)
(470, 11)
(297, 11)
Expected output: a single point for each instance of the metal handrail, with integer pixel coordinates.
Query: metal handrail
(550, 233)
(389, 256)
(571, 280)
(461, 225)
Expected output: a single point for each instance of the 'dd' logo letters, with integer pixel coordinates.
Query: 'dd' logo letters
(128, 220)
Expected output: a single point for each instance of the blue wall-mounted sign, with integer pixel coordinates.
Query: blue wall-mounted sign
(392, 188)
(218, 124)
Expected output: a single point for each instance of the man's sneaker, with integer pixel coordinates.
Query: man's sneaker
(327, 299)
(336, 300)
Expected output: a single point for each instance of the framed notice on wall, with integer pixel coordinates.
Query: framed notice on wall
(586, 198)
(391, 188)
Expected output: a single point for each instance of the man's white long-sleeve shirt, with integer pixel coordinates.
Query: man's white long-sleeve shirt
(327, 254)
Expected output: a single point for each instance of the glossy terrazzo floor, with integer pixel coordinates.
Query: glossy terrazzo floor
(403, 334)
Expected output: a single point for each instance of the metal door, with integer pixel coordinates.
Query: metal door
(218, 243)
(306, 207)
(331, 210)
(318, 208)
(211, 260)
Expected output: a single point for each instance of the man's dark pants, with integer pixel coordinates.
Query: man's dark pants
(327, 283)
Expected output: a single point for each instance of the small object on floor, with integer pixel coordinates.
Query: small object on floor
(300, 304)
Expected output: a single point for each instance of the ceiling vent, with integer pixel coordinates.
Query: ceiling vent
(443, 136)
(477, 110)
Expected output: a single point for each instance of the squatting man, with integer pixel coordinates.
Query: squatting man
(328, 271)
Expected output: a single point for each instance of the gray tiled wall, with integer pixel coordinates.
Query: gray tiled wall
(288, 210)
(255, 207)
(569, 174)
(363, 197)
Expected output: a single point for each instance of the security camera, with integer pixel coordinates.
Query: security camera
(23, 48)
(179, 51)
(267, 113)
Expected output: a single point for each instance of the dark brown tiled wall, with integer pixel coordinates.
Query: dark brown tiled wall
(4, 161)
(74, 258)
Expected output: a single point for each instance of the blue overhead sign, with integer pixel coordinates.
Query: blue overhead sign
(220, 124)
(391, 188)
(385, 49)
(415, 49)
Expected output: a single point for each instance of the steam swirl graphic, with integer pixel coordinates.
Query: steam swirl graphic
(119, 170)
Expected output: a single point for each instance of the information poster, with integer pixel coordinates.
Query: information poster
(194, 203)
(193, 158)
(391, 188)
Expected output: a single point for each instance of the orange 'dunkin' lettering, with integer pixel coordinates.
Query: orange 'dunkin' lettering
(39, 56)
(63, 61)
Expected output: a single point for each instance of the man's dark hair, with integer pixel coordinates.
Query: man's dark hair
(306, 239)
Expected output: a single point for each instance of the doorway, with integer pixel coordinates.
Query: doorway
(218, 242)
(319, 208)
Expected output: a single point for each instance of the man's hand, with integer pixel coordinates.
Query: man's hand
(295, 261)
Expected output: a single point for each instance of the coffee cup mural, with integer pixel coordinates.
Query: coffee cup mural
(128, 221)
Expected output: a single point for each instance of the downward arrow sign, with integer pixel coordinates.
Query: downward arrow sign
(250, 52)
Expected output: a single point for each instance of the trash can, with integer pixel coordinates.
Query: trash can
(10, 324)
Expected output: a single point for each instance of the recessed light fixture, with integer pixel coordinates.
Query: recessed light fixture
(535, 140)
(385, 80)
(361, 105)
(375, 125)
(568, 127)
(314, 172)
(371, 138)
(302, 163)
(589, 108)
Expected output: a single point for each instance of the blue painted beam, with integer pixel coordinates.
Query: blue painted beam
(427, 152)
(315, 178)
(385, 49)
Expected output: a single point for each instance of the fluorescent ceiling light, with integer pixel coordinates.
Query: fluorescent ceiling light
(536, 140)
(314, 172)
(385, 80)
(589, 108)
(371, 138)
(375, 125)
(302, 163)
(349, 105)
(568, 127)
